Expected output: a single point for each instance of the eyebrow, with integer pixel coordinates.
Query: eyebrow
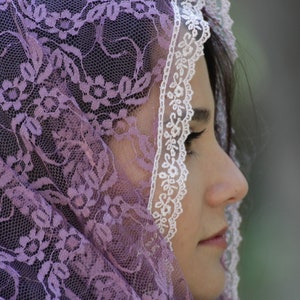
(201, 115)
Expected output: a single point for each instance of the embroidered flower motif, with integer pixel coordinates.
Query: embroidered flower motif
(173, 170)
(141, 8)
(170, 165)
(12, 94)
(175, 128)
(186, 47)
(176, 102)
(21, 163)
(113, 208)
(193, 22)
(69, 243)
(179, 91)
(119, 125)
(32, 247)
(49, 103)
(165, 210)
(97, 91)
(81, 199)
(63, 23)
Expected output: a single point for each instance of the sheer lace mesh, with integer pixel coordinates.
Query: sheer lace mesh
(77, 164)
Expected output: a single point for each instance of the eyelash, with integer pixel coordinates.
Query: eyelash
(192, 136)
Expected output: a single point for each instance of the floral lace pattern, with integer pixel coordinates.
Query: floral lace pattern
(77, 167)
(74, 222)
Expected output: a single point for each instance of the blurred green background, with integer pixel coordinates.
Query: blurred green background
(268, 130)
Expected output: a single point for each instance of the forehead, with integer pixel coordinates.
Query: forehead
(202, 99)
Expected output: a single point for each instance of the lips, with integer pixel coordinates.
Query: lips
(217, 240)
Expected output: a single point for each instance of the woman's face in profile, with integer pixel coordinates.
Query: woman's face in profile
(213, 182)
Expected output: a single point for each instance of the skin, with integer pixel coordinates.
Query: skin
(213, 183)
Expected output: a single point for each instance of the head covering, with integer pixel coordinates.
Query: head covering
(77, 219)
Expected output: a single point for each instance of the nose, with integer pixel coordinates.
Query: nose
(227, 184)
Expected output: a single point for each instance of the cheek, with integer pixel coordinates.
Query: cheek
(201, 267)
(189, 223)
(194, 199)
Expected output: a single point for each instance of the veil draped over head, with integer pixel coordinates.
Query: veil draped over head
(94, 111)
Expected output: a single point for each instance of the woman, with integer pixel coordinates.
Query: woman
(113, 184)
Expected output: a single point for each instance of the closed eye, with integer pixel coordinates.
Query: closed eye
(192, 136)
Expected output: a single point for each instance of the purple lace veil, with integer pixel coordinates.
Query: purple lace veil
(94, 111)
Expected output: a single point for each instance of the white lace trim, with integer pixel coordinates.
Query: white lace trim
(172, 170)
(178, 93)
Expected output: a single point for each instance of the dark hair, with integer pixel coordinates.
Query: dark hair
(220, 69)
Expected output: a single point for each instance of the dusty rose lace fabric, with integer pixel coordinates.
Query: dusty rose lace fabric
(81, 137)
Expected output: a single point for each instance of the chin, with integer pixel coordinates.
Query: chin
(210, 288)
